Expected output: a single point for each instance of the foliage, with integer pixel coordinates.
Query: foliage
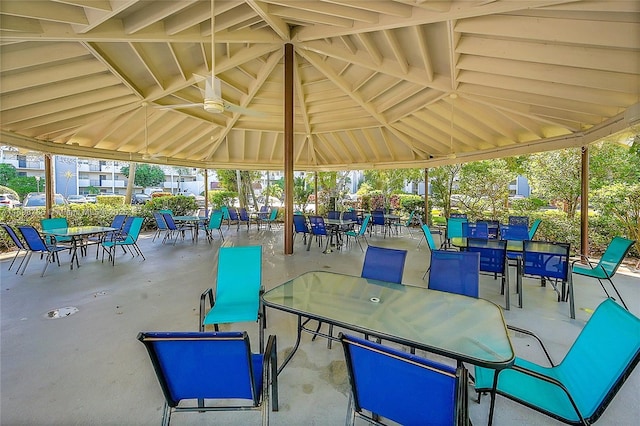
(245, 194)
(526, 206)
(612, 162)
(484, 186)
(621, 201)
(92, 189)
(411, 203)
(377, 200)
(219, 198)
(111, 200)
(7, 172)
(302, 188)
(161, 194)
(555, 175)
(443, 181)
(393, 180)
(180, 205)
(7, 190)
(25, 184)
(146, 175)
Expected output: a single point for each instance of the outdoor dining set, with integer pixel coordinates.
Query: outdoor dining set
(56, 236)
(383, 323)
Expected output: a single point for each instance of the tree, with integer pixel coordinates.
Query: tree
(302, 188)
(393, 180)
(555, 176)
(7, 172)
(485, 185)
(146, 175)
(622, 201)
(443, 180)
(25, 184)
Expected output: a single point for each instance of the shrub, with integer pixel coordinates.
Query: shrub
(111, 200)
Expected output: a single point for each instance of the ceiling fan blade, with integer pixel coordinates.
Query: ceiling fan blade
(241, 110)
(179, 106)
(213, 88)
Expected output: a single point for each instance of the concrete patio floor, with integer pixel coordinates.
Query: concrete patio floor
(88, 368)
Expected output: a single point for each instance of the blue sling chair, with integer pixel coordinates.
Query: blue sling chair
(386, 383)
(578, 389)
(237, 291)
(213, 366)
(382, 264)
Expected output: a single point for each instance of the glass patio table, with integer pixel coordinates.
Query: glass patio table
(459, 327)
(194, 222)
(77, 234)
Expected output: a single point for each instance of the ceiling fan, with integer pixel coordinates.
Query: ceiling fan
(213, 101)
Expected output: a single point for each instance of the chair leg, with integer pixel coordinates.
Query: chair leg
(618, 293)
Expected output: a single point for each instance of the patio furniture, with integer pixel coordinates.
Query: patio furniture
(361, 233)
(454, 229)
(21, 247)
(243, 217)
(56, 223)
(475, 230)
(403, 314)
(534, 228)
(215, 223)
(519, 220)
(78, 235)
(377, 219)
(300, 226)
(36, 244)
(175, 229)
(550, 262)
(237, 290)
(384, 264)
(406, 225)
(318, 230)
(127, 238)
(213, 366)
(161, 226)
(579, 388)
(273, 216)
(116, 223)
(233, 218)
(333, 214)
(409, 390)
(493, 260)
(607, 266)
(455, 272)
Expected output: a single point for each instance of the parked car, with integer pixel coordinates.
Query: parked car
(140, 198)
(77, 199)
(9, 200)
(37, 199)
(91, 198)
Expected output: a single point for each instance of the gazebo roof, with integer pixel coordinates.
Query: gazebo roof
(395, 83)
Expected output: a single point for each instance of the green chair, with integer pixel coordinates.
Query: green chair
(534, 228)
(361, 232)
(606, 268)
(273, 216)
(132, 227)
(237, 291)
(578, 389)
(407, 224)
(56, 223)
(215, 223)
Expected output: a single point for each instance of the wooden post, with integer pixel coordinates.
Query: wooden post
(288, 148)
(584, 203)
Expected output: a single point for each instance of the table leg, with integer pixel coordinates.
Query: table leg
(519, 279)
(493, 397)
(295, 347)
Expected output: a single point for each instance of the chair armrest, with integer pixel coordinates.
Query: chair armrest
(203, 299)
(552, 381)
(270, 371)
(529, 333)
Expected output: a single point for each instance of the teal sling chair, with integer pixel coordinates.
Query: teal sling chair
(578, 389)
(237, 292)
